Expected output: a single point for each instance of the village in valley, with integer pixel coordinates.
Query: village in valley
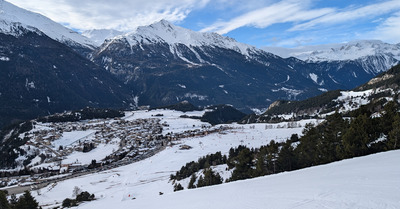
(60, 149)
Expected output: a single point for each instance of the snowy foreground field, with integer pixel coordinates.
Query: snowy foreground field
(367, 182)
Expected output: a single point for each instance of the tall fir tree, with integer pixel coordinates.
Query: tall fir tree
(26, 201)
(332, 131)
(306, 151)
(356, 139)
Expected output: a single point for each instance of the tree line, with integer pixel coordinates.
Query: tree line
(25, 201)
(358, 133)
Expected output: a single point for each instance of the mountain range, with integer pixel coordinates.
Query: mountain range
(158, 65)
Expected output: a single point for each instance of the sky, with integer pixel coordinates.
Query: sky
(280, 23)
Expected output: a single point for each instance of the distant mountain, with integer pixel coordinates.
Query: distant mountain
(372, 55)
(165, 64)
(10, 14)
(40, 76)
(98, 36)
(373, 95)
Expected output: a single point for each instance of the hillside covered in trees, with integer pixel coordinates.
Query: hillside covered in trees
(338, 137)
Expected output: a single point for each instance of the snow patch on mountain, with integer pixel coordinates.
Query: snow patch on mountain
(5, 59)
(165, 32)
(346, 51)
(196, 96)
(291, 93)
(314, 77)
(373, 55)
(11, 14)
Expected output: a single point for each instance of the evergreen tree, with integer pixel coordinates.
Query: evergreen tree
(26, 201)
(272, 156)
(356, 139)
(211, 178)
(243, 165)
(3, 201)
(328, 145)
(306, 151)
(388, 118)
(178, 187)
(393, 141)
(286, 159)
(201, 182)
(261, 163)
(192, 181)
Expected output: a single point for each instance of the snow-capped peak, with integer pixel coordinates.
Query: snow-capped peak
(347, 51)
(165, 32)
(11, 14)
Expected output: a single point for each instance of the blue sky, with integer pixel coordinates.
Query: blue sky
(286, 23)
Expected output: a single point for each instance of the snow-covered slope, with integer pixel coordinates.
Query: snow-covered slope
(367, 182)
(346, 51)
(11, 14)
(145, 179)
(165, 32)
(154, 60)
(98, 36)
(375, 56)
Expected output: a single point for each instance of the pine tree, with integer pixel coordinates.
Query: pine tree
(243, 165)
(272, 155)
(286, 159)
(388, 118)
(332, 130)
(356, 139)
(178, 187)
(211, 178)
(26, 201)
(192, 181)
(393, 141)
(261, 167)
(306, 151)
(3, 201)
(200, 182)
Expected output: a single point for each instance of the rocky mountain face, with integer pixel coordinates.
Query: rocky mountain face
(40, 76)
(164, 64)
(370, 56)
(372, 95)
(158, 65)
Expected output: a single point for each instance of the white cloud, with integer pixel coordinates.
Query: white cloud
(281, 12)
(389, 30)
(123, 15)
(369, 11)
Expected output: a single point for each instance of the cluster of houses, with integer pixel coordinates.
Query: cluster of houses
(136, 138)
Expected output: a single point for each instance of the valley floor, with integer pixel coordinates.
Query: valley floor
(367, 182)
